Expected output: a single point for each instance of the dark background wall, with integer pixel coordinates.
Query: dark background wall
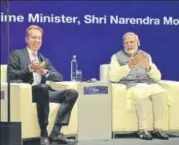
(95, 43)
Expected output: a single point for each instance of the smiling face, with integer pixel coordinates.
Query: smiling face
(130, 42)
(34, 38)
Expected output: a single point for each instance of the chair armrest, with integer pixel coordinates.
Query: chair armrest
(64, 85)
(20, 99)
(169, 84)
(172, 90)
(57, 85)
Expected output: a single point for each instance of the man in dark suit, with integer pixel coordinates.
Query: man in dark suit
(29, 66)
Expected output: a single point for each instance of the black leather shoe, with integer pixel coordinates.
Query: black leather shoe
(145, 135)
(160, 135)
(44, 141)
(62, 139)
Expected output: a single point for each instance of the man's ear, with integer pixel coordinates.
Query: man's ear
(138, 42)
(26, 39)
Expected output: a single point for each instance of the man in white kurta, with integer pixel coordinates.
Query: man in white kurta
(134, 68)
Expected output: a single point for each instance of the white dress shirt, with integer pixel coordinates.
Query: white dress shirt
(37, 76)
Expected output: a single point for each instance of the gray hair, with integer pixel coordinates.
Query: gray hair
(131, 33)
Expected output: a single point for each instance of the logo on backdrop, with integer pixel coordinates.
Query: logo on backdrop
(89, 19)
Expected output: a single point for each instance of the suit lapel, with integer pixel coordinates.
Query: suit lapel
(40, 57)
(26, 62)
(26, 57)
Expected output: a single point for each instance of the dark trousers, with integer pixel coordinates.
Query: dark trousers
(43, 94)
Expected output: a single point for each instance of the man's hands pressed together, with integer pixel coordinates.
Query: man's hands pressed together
(38, 67)
(140, 59)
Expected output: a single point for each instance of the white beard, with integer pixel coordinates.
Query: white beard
(132, 51)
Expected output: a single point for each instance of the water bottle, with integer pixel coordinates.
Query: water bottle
(74, 68)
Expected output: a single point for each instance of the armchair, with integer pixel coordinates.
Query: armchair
(124, 118)
(24, 110)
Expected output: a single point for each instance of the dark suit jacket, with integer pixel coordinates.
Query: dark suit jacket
(18, 69)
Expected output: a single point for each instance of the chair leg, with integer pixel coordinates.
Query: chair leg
(113, 135)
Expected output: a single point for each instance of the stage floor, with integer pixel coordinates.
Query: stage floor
(123, 140)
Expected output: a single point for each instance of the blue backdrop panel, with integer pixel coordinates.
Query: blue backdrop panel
(95, 43)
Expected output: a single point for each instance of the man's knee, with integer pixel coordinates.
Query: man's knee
(157, 89)
(42, 87)
(138, 92)
(161, 95)
(40, 93)
(73, 94)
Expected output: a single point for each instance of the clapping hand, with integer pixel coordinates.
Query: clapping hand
(41, 71)
(143, 60)
(35, 65)
(140, 59)
(133, 61)
(39, 67)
